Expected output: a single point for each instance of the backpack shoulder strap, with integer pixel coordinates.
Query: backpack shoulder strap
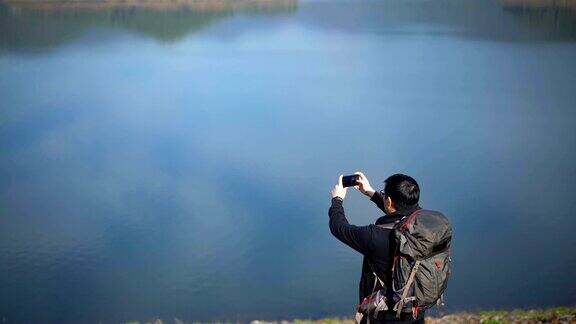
(405, 222)
(387, 225)
(376, 279)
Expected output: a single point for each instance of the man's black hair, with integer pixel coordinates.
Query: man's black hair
(403, 190)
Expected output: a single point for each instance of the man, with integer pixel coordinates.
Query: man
(398, 200)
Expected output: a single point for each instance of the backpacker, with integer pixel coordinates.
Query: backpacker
(421, 264)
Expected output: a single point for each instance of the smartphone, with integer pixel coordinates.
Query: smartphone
(350, 180)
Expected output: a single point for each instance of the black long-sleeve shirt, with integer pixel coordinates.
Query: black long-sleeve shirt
(374, 242)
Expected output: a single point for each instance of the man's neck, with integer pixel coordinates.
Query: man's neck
(397, 215)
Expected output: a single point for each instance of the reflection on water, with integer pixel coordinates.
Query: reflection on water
(482, 20)
(557, 21)
(176, 162)
(37, 25)
(180, 5)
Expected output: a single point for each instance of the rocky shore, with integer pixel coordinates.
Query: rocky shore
(558, 315)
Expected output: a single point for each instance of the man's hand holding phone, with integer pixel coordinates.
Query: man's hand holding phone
(339, 190)
(358, 180)
(363, 185)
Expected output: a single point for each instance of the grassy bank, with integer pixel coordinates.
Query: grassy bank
(549, 315)
(557, 315)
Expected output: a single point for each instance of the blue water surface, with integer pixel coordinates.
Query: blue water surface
(177, 164)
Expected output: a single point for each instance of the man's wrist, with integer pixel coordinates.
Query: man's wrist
(340, 199)
(376, 197)
(370, 193)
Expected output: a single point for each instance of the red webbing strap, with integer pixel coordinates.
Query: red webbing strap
(409, 219)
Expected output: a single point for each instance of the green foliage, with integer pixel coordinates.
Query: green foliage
(490, 321)
(493, 313)
(562, 311)
(520, 315)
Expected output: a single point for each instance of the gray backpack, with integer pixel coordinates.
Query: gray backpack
(420, 268)
(421, 264)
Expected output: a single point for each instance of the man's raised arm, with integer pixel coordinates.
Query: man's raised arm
(357, 237)
(365, 188)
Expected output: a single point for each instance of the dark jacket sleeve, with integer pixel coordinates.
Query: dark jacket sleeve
(378, 200)
(357, 237)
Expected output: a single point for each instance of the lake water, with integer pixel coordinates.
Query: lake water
(177, 163)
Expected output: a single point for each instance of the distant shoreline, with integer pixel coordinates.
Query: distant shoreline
(217, 5)
(168, 5)
(570, 4)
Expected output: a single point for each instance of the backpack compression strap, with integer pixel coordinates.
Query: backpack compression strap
(407, 288)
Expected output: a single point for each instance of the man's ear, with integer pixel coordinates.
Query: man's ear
(391, 204)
